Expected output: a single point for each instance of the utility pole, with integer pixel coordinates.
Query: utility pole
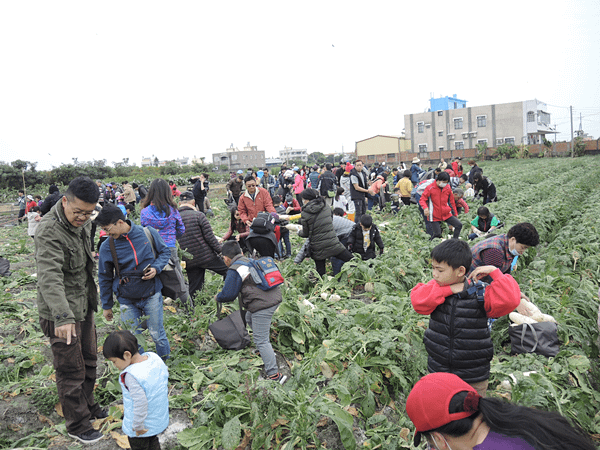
(572, 149)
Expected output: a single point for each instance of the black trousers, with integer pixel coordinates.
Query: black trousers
(144, 443)
(264, 246)
(360, 208)
(436, 230)
(196, 274)
(75, 366)
(345, 256)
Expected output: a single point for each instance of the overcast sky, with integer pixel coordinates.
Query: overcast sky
(110, 80)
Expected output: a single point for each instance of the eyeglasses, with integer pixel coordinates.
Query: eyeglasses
(107, 230)
(81, 213)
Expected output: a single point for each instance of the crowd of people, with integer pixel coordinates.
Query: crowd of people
(137, 264)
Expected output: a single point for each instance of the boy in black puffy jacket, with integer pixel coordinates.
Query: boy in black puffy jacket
(363, 237)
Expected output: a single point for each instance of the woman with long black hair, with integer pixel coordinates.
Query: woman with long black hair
(451, 415)
(159, 211)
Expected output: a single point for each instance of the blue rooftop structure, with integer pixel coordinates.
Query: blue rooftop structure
(446, 103)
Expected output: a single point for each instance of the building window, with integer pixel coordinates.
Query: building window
(509, 140)
(441, 149)
(530, 116)
(420, 127)
(371, 157)
(440, 133)
(440, 113)
(481, 141)
(459, 145)
(422, 148)
(458, 123)
(481, 121)
(499, 141)
(391, 155)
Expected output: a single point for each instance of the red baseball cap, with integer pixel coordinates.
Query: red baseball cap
(428, 403)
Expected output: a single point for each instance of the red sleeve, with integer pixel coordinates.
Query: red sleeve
(452, 202)
(242, 209)
(426, 297)
(277, 233)
(464, 205)
(502, 295)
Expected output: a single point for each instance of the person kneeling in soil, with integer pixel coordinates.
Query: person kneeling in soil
(483, 223)
(144, 380)
(363, 237)
(260, 305)
(458, 338)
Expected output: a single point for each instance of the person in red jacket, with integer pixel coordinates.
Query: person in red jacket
(438, 205)
(458, 338)
(253, 201)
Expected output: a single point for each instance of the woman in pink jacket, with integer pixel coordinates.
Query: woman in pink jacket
(438, 205)
(298, 184)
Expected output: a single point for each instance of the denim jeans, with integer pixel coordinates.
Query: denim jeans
(132, 310)
(372, 200)
(285, 239)
(260, 323)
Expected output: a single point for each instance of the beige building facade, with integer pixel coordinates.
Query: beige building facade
(293, 155)
(236, 159)
(526, 122)
(382, 148)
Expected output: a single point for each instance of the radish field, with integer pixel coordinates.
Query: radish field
(351, 355)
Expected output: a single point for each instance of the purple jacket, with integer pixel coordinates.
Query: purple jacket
(169, 227)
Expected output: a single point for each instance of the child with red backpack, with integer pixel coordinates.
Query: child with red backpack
(260, 297)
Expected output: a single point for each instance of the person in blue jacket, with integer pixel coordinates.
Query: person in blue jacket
(138, 289)
(415, 171)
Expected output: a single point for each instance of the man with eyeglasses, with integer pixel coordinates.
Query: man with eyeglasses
(254, 200)
(257, 199)
(67, 299)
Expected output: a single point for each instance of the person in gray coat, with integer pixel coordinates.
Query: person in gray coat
(317, 225)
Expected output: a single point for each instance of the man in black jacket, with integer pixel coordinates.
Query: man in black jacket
(327, 184)
(359, 187)
(53, 198)
(200, 241)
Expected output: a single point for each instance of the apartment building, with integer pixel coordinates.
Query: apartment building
(460, 127)
(236, 159)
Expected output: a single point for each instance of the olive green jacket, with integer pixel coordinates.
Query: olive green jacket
(65, 269)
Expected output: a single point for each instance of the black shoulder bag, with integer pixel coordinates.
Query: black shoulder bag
(131, 284)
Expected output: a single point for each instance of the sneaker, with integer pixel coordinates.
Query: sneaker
(88, 437)
(279, 377)
(102, 413)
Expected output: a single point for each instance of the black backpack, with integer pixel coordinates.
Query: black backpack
(263, 223)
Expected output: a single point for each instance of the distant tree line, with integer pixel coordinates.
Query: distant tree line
(12, 175)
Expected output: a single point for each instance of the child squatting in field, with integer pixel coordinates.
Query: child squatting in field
(144, 382)
(458, 338)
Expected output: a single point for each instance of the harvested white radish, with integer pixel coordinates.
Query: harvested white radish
(547, 318)
(520, 318)
(335, 298)
(309, 304)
